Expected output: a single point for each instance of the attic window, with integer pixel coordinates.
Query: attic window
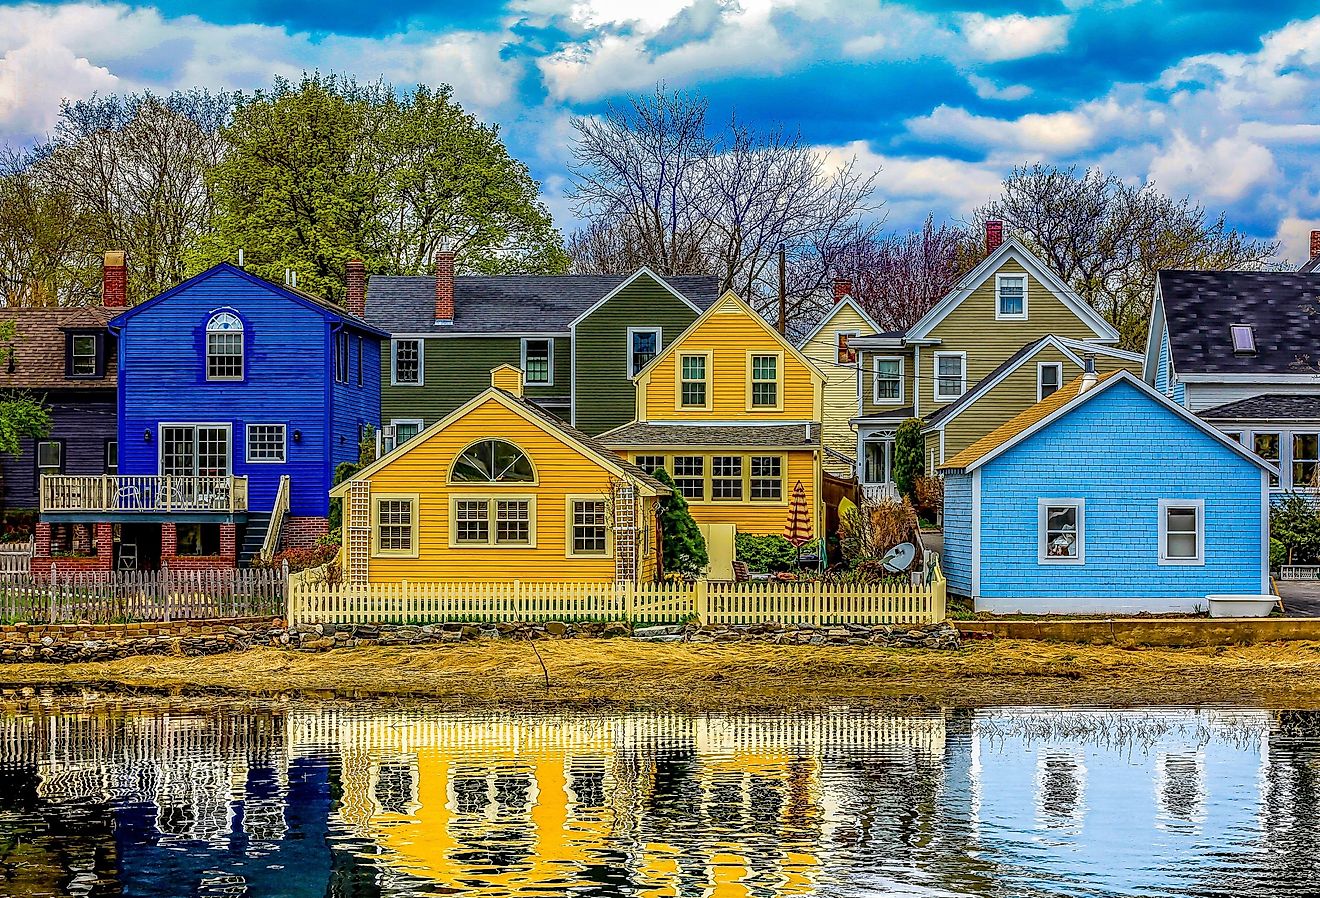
(1244, 339)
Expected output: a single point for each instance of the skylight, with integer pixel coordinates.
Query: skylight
(1244, 338)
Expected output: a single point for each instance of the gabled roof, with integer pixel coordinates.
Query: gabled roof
(511, 303)
(639, 273)
(1282, 308)
(1064, 401)
(774, 436)
(730, 297)
(39, 344)
(536, 416)
(1037, 269)
(1074, 350)
(293, 294)
(846, 303)
(1267, 407)
(1312, 265)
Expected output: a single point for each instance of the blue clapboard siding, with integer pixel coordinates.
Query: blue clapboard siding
(1121, 451)
(288, 379)
(956, 560)
(83, 423)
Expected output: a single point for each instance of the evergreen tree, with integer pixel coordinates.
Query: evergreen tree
(908, 462)
(684, 548)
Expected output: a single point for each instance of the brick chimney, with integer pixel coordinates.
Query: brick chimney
(356, 299)
(994, 235)
(114, 280)
(842, 288)
(444, 287)
(1315, 245)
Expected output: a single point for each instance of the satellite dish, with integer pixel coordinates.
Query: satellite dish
(900, 558)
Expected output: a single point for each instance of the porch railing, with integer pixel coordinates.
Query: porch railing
(879, 492)
(146, 493)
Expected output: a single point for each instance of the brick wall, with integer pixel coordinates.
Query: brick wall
(228, 557)
(301, 532)
(103, 560)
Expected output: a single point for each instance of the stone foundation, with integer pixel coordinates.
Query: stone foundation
(304, 532)
(70, 643)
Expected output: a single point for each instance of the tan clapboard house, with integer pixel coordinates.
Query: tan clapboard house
(829, 345)
(1010, 334)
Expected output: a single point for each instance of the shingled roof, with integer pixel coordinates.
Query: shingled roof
(776, 436)
(1267, 407)
(38, 348)
(493, 305)
(1282, 308)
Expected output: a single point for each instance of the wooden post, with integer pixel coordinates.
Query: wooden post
(701, 601)
(169, 497)
(50, 615)
(164, 588)
(288, 592)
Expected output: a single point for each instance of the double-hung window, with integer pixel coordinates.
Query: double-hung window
(845, 354)
(763, 380)
(1011, 296)
(406, 370)
(587, 527)
(1182, 531)
(1061, 531)
(1305, 460)
(395, 521)
(888, 389)
(726, 478)
(84, 356)
(694, 380)
(690, 476)
(112, 456)
(493, 521)
(643, 345)
(1267, 445)
(767, 478)
(266, 443)
(1049, 377)
(50, 457)
(224, 347)
(538, 362)
(649, 463)
(341, 357)
(950, 375)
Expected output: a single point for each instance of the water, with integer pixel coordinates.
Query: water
(138, 798)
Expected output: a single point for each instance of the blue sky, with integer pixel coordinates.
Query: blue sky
(1217, 99)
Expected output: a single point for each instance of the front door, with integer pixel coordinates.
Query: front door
(878, 466)
(194, 450)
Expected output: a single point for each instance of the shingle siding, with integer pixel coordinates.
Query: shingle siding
(957, 558)
(1120, 452)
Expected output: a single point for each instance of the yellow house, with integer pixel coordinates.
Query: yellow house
(500, 489)
(828, 346)
(732, 411)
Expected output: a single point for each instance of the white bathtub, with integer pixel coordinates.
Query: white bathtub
(1241, 605)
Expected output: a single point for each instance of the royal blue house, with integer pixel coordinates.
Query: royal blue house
(1105, 497)
(227, 385)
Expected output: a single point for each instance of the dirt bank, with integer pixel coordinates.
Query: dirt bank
(622, 673)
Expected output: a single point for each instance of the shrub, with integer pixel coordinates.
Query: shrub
(18, 525)
(343, 471)
(1278, 554)
(299, 559)
(1295, 523)
(866, 534)
(908, 464)
(683, 548)
(928, 497)
(766, 554)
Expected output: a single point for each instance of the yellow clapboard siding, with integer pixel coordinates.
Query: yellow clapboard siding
(729, 335)
(561, 470)
(840, 391)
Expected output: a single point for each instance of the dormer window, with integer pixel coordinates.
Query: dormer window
(84, 356)
(224, 347)
(1011, 296)
(1244, 339)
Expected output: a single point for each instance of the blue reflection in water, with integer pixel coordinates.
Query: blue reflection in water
(105, 798)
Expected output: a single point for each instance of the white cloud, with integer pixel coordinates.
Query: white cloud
(1223, 169)
(36, 76)
(1050, 134)
(913, 187)
(1014, 36)
(989, 90)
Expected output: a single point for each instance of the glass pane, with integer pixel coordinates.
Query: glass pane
(1061, 531)
(176, 452)
(1266, 445)
(492, 461)
(1305, 474)
(1244, 338)
(1182, 545)
(694, 367)
(645, 345)
(407, 362)
(538, 361)
(846, 355)
(404, 432)
(951, 365)
(48, 455)
(764, 367)
(1011, 296)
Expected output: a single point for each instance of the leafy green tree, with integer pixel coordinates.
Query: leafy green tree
(21, 414)
(684, 548)
(327, 170)
(908, 461)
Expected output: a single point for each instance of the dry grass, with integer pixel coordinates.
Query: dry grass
(595, 673)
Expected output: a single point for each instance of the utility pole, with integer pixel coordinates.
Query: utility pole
(783, 292)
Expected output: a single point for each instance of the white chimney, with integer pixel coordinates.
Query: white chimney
(1088, 374)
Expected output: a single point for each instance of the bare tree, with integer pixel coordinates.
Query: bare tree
(41, 231)
(1108, 238)
(660, 186)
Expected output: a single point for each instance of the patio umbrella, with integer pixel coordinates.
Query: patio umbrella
(797, 529)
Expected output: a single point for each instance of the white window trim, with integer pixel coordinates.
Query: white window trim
(421, 362)
(247, 444)
(1002, 317)
(550, 362)
(58, 467)
(394, 422)
(1041, 524)
(1040, 378)
(628, 355)
(948, 397)
(1164, 506)
(875, 379)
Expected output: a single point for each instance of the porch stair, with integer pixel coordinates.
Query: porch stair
(258, 523)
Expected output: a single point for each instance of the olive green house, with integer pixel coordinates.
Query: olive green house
(578, 339)
(981, 353)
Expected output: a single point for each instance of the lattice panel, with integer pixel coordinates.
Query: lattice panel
(357, 521)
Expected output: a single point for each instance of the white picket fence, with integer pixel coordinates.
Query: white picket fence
(807, 603)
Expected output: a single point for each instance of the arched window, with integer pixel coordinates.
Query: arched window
(492, 461)
(224, 347)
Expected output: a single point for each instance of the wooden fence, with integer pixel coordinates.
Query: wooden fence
(811, 603)
(125, 596)
(16, 561)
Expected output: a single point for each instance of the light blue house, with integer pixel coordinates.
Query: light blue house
(1106, 497)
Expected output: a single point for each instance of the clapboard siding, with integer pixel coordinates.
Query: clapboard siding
(84, 423)
(605, 395)
(354, 406)
(840, 398)
(458, 368)
(288, 379)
